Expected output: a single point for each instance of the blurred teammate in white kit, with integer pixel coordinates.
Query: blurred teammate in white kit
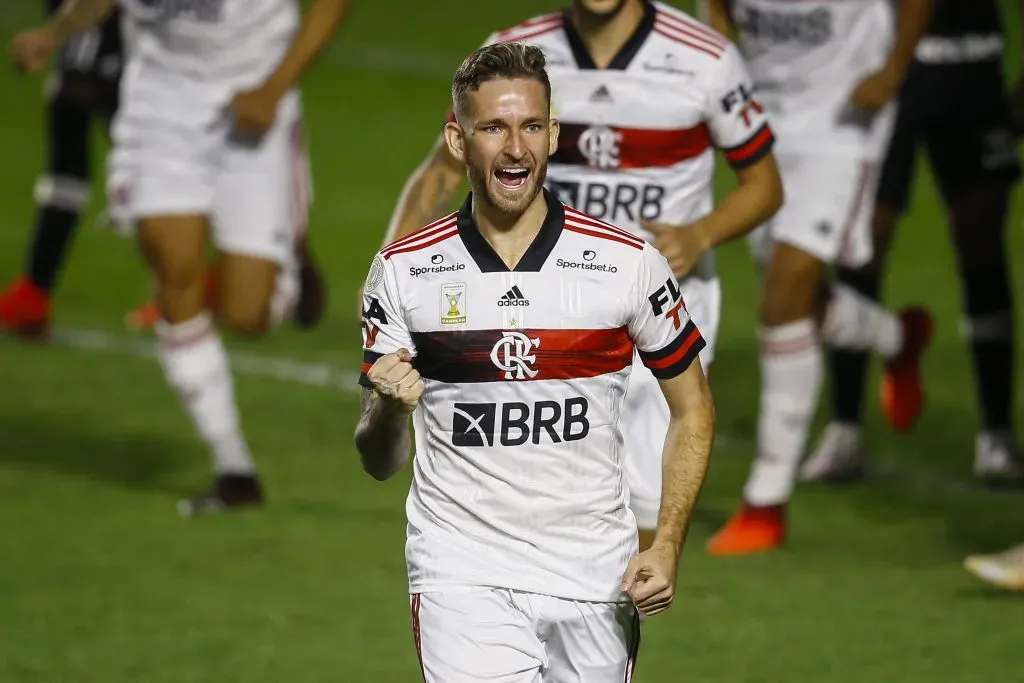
(209, 140)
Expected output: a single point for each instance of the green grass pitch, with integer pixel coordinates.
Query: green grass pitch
(102, 582)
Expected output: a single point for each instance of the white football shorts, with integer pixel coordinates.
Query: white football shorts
(469, 635)
(827, 210)
(175, 153)
(644, 417)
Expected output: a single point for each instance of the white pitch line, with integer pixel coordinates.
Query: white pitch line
(326, 375)
(274, 367)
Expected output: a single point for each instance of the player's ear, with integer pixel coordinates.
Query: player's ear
(553, 130)
(455, 140)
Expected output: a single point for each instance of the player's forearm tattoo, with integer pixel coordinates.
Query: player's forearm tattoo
(427, 196)
(687, 454)
(382, 436)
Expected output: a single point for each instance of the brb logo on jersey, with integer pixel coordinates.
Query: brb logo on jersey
(474, 425)
(513, 355)
(809, 29)
(600, 146)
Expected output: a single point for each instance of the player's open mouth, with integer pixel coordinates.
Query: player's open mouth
(512, 178)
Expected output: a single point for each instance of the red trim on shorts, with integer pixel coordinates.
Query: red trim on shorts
(300, 181)
(866, 168)
(415, 611)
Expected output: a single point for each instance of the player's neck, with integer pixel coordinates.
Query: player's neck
(508, 234)
(605, 38)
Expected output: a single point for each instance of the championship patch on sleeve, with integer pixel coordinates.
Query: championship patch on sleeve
(375, 275)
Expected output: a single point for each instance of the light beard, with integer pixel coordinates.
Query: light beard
(478, 182)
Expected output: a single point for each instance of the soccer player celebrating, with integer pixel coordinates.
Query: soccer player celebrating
(512, 359)
(826, 73)
(954, 103)
(644, 95)
(82, 87)
(208, 138)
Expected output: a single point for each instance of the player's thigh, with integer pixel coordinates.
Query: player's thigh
(472, 635)
(246, 284)
(643, 422)
(588, 642)
(263, 190)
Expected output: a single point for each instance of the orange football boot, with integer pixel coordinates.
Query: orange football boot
(902, 390)
(25, 309)
(751, 530)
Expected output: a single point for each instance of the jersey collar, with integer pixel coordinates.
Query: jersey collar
(536, 254)
(625, 54)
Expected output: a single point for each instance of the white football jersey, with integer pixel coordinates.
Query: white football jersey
(637, 138)
(517, 479)
(235, 43)
(806, 59)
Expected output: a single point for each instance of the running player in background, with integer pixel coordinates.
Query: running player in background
(644, 95)
(209, 138)
(954, 103)
(826, 72)
(513, 361)
(83, 87)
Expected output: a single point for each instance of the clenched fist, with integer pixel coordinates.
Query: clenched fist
(31, 49)
(394, 377)
(650, 580)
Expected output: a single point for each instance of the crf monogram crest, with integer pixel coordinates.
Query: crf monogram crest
(512, 354)
(600, 145)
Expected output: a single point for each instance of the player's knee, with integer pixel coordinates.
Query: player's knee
(246, 318)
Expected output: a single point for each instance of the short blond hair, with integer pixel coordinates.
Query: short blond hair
(501, 61)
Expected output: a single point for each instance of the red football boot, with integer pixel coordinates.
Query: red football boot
(25, 310)
(751, 530)
(902, 390)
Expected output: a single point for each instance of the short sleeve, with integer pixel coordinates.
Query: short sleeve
(739, 127)
(661, 329)
(384, 327)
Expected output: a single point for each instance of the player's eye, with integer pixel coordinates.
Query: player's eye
(533, 128)
(492, 129)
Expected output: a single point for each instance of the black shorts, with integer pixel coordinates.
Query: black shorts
(88, 68)
(960, 114)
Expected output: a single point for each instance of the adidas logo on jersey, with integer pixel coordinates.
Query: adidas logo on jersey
(601, 95)
(513, 297)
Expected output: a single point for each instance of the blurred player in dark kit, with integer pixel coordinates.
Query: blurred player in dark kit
(954, 105)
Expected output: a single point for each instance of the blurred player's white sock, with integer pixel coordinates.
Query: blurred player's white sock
(854, 322)
(791, 372)
(196, 365)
